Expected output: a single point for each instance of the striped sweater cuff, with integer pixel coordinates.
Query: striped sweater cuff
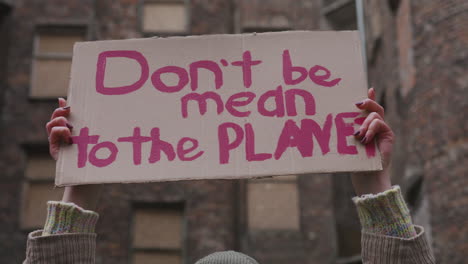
(385, 213)
(63, 218)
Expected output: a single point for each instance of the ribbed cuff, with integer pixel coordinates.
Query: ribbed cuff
(64, 248)
(65, 218)
(385, 213)
(389, 250)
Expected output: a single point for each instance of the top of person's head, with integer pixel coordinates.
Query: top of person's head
(227, 257)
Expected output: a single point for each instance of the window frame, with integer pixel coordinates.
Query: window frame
(26, 184)
(329, 11)
(66, 28)
(175, 206)
(284, 179)
(334, 5)
(140, 13)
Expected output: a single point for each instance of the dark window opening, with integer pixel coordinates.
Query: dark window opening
(4, 9)
(394, 5)
(348, 228)
(341, 15)
(383, 100)
(414, 194)
(375, 51)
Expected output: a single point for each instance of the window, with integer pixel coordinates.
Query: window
(347, 226)
(157, 235)
(273, 204)
(394, 5)
(340, 14)
(38, 188)
(165, 16)
(257, 16)
(53, 50)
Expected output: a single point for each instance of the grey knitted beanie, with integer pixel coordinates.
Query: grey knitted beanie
(227, 257)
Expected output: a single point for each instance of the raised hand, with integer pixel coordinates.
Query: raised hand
(58, 128)
(374, 127)
(59, 131)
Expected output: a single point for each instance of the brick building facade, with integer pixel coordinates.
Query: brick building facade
(417, 60)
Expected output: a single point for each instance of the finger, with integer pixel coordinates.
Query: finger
(58, 121)
(62, 102)
(59, 135)
(62, 111)
(371, 106)
(376, 127)
(365, 125)
(371, 94)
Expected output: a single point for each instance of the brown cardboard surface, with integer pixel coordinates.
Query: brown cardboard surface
(314, 141)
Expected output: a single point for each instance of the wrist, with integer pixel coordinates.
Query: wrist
(85, 196)
(371, 182)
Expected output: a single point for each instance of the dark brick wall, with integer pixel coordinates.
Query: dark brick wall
(437, 126)
(23, 120)
(209, 216)
(428, 116)
(211, 207)
(423, 82)
(5, 25)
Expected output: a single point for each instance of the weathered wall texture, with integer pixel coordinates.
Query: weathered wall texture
(437, 125)
(23, 120)
(417, 59)
(211, 208)
(419, 68)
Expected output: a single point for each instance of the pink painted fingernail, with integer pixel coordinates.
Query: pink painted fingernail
(356, 133)
(66, 107)
(364, 140)
(69, 126)
(360, 103)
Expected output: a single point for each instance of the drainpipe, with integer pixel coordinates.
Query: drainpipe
(362, 32)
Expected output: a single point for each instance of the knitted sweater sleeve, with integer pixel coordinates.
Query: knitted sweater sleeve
(68, 236)
(388, 234)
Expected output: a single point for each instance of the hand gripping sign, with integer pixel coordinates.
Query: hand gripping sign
(219, 106)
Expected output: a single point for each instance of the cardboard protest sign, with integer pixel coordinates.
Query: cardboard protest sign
(219, 106)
